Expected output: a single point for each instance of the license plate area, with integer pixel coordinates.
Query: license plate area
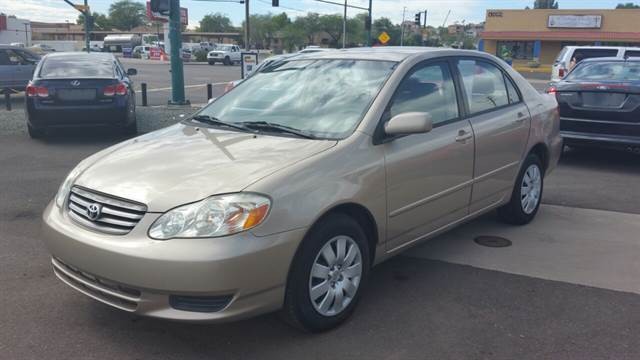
(602, 99)
(76, 94)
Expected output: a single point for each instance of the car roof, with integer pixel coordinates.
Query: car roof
(11, 47)
(386, 53)
(78, 54)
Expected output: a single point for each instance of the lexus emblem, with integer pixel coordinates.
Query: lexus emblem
(93, 211)
(75, 83)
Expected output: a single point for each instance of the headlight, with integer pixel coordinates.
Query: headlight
(214, 216)
(65, 187)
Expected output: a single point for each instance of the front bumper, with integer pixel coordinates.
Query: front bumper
(144, 276)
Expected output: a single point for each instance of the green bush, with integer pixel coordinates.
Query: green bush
(201, 56)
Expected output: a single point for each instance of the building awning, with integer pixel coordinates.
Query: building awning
(561, 35)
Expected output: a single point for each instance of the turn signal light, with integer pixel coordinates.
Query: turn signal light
(39, 91)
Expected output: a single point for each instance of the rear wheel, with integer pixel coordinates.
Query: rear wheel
(527, 193)
(212, 62)
(130, 119)
(327, 275)
(35, 133)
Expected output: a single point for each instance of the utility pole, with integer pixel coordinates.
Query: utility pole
(246, 25)
(404, 10)
(177, 72)
(26, 34)
(87, 22)
(369, 21)
(344, 26)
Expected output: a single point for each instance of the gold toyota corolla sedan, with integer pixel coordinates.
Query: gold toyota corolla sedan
(283, 193)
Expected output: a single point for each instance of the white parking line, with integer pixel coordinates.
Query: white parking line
(186, 86)
(579, 246)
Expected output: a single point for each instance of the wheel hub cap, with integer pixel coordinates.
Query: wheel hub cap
(335, 276)
(531, 189)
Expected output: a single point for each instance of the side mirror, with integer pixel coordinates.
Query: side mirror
(409, 123)
(211, 100)
(131, 72)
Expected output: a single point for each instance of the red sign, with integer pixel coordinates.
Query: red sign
(184, 15)
(155, 53)
(3, 22)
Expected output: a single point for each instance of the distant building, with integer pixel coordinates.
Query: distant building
(14, 30)
(540, 34)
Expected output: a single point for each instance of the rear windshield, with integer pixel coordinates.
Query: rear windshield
(606, 71)
(77, 67)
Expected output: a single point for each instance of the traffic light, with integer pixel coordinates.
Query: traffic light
(160, 6)
(275, 3)
(417, 20)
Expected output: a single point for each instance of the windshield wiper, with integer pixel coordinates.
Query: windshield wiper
(263, 125)
(215, 121)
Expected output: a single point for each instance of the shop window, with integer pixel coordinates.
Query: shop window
(520, 50)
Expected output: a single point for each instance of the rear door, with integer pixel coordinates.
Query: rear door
(500, 122)
(7, 70)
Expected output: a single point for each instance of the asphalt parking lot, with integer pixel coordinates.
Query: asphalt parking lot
(566, 289)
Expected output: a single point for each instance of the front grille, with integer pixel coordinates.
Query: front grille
(103, 212)
(108, 292)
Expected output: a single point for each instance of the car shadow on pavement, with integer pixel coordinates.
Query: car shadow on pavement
(601, 159)
(85, 135)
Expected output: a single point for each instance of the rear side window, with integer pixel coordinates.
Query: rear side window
(484, 85)
(4, 58)
(511, 89)
(632, 53)
(583, 54)
(428, 89)
(77, 67)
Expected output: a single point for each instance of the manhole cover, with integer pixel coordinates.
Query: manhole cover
(492, 241)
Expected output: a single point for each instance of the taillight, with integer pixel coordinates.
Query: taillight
(552, 90)
(39, 91)
(111, 90)
(561, 73)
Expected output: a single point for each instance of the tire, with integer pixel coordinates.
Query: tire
(299, 309)
(518, 211)
(130, 118)
(212, 62)
(35, 133)
(227, 61)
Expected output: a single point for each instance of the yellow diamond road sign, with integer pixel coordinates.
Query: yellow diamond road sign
(384, 37)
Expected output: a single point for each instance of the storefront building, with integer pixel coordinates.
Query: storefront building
(539, 35)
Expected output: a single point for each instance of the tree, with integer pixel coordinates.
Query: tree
(100, 21)
(545, 4)
(332, 25)
(309, 25)
(127, 14)
(628, 6)
(215, 23)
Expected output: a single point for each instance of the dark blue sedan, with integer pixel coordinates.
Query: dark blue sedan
(80, 89)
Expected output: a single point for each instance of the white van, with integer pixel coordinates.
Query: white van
(563, 61)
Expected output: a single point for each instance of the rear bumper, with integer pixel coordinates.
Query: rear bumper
(608, 133)
(54, 116)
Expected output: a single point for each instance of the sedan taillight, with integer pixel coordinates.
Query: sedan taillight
(39, 91)
(119, 89)
(561, 73)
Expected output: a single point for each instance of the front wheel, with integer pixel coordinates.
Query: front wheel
(227, 61)
(327, 276)
(527, 193)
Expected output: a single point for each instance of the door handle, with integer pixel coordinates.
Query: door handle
(463, 136)
(521, 117)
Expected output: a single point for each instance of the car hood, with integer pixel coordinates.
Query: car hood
(183, 164)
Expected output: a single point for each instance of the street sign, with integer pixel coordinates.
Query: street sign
(248, 63)
(156, 16)
(384, 38)
(81, 8)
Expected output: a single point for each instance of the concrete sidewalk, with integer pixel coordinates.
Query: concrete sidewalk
(580, 246)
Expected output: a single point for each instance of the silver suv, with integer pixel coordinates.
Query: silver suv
(284, 192)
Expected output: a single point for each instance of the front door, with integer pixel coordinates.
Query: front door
(428, 175)
(500, 122)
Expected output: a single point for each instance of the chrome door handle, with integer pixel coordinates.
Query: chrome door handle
(521, 117)
(463, 136)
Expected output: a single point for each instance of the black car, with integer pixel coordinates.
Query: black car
(80, 89)
(599, 103)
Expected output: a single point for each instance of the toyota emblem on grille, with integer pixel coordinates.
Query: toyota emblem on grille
(75, 83)
(93, 211)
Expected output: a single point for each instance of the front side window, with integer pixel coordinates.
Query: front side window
(427, 89)
(326, 98)
(483, 84)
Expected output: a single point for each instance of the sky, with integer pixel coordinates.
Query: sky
(467, 10)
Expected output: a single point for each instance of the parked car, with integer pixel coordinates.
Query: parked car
(283, 193)
(41, 49)
(16, 67)
(207, 46)
(80, 89)
(570, 55)
(226, 54)
(599, 103)
(141, 51)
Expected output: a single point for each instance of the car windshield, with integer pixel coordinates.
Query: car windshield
(224, 48)
(80, 66)
(324, 98)
(606, 71)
